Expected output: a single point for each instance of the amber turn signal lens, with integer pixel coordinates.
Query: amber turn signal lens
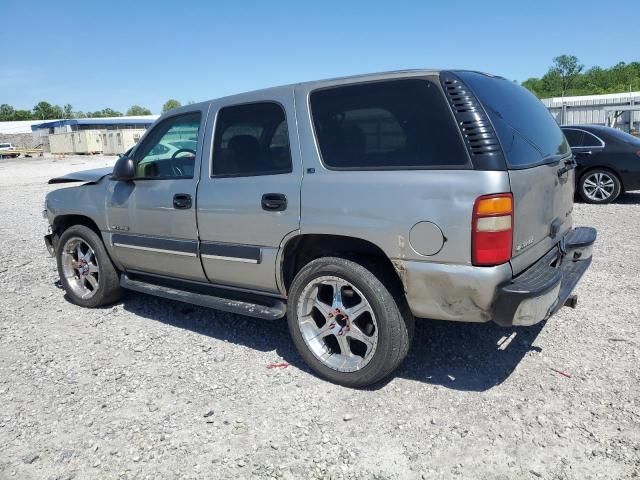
(494, 206)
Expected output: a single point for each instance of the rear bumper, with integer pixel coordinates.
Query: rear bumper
(543, 288)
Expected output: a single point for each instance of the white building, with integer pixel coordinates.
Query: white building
(111, 135)
(620, 110)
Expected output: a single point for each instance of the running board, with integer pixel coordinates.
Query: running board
(276, 310)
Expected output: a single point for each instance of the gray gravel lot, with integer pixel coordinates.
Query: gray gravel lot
(154, 389)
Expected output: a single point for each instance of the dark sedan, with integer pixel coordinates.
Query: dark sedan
(608, 161)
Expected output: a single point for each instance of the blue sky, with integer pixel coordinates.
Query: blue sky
(118, 53)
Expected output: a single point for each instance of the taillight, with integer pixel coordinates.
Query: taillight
(492, 229)
(638, 153)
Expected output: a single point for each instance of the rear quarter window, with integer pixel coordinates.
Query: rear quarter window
(396, 124)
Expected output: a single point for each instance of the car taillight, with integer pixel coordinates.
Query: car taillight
(492, 229)
(638, 153)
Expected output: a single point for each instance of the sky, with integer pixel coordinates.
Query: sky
(117, 53)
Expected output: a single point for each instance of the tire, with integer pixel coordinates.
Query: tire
(371, 321)
(599, 186)
(94, 262)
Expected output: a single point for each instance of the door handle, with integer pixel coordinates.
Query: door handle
(584, 154)
(182, 201)
(274, 202)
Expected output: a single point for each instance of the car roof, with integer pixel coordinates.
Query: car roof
(595, 128)
(316, 84)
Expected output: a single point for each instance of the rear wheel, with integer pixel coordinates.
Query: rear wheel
(346, 324)
(599, 186)
(85, 269)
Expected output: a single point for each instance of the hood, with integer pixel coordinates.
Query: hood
(89, 176)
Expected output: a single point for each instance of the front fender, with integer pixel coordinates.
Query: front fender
(85, 200)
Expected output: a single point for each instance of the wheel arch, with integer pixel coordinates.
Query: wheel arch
(62, 222)
(302, 249)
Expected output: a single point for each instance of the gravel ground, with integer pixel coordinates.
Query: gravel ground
(154, 389)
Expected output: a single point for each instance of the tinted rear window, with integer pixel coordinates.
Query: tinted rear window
(528, 133)
(623, 136)
(574, 137)
(386, 125)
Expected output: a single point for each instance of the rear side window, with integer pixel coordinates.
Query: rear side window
(386, 125)
(574, 137)
(590, 140)
(251, 140)
(528, 133)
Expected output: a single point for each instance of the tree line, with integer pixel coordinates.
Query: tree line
(46, 111)
(567, 76)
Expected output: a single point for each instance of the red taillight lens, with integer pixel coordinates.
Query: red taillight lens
(638, 153)
(492, 229)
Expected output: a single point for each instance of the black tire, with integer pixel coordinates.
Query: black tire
(395, 323)
(108, 290)
(607, 174)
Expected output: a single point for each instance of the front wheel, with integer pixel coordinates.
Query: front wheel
(346, 323)
(599, 186)
(85, 269)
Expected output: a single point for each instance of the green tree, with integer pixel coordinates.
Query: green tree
(621, 77)
(170, 105)
(68, 111)
(43, 111)
(110, 112)
(23, 115)
(105, 112)
(6, 112)
(567, 68)
(137, 110)
(534, 85)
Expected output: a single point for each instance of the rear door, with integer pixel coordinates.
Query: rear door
(537, 155)
(588, 148)
(249, 191)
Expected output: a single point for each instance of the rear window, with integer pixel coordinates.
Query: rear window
(386, 125)
(623, 136)
(527, 132)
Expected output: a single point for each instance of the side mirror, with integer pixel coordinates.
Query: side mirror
(124, 169)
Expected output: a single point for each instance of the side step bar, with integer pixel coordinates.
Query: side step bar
(276, 310)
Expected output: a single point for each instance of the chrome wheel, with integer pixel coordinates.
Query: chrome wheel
(598, 186)
(337, 324)
(80, 267)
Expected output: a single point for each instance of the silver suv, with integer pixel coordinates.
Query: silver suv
(350, 205)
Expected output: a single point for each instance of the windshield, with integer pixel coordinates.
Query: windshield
(527, 132)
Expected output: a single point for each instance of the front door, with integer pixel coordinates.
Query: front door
(249, 192)
(152, 219)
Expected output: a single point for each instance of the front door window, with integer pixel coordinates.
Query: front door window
(169, 152)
